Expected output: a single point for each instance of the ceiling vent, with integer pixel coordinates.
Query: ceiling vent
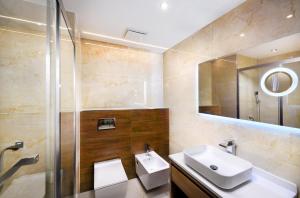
(134, 35)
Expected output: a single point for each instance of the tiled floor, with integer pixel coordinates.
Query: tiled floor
(130, 189)
(32, 186)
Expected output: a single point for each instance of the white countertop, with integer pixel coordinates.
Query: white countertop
(262, 185)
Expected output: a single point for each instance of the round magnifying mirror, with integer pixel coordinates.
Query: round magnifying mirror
(279, 81)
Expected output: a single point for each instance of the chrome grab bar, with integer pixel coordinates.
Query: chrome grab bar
(16, 146)
(22, 162)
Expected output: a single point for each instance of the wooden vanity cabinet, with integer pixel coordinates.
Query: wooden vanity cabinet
(183, 185)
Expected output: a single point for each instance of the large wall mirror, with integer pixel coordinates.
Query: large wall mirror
(259, 84)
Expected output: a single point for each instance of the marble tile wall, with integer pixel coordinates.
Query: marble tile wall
(115, 76)
(217, 89)
(224, 86)
(205, 84)
(22, 98)
(275, 149)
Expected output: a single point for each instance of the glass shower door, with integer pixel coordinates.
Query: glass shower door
(67, 108)
(37, 100)
(254, 104)
(23, 98)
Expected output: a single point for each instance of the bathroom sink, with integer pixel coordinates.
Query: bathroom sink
(222, 169)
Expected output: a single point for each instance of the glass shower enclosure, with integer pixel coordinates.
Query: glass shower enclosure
(37, 99)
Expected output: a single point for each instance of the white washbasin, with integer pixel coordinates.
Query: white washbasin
(222, 169)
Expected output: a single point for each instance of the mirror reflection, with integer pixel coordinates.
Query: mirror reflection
(278, 82)
(258, 84)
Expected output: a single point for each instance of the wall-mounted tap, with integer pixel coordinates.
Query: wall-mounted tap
(22, 162)
(15, 147)
(230, 146)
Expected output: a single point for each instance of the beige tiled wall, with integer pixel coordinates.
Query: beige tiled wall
(275, 149)
(115, 76)
(224, 85)
(215, 88)
(22, 98)
(205, 84)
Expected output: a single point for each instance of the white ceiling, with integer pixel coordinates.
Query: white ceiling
(283, 45)
(164, 28)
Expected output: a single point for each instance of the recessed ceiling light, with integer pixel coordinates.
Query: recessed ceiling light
(164, 5)
(274, 50)
(242, 35)
(289, 16)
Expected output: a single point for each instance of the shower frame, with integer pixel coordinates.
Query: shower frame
(55, 10)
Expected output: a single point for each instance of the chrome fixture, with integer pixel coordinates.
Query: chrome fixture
(147, 149)
(229, 146)
(22, 162)
(106, 124)
(257, 101)
(15, 147)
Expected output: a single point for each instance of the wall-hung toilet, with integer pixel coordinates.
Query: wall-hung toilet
(108, 173)
(152, 170)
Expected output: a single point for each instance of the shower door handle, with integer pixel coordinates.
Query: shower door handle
(22, 162)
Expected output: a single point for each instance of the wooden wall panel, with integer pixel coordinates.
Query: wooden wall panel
(134, 128)
(67, 152)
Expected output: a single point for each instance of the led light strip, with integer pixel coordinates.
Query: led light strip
(26, 33)
(23, 20)
(28, 21)
(105, 46)
(124, 40)
(279, 69)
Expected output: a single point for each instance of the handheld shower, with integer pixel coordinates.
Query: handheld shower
(256, 97)
(257, 101)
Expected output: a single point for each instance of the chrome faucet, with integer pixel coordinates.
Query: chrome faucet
(147, 149)
(22, 162)
(15, 147)
(230, 146)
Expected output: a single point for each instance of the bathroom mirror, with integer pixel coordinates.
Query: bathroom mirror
(277, 82)
(258, 84)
